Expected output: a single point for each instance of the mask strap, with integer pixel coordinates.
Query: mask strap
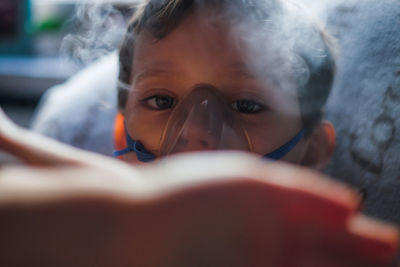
(142, 154)
(280, 152)
(146, 156)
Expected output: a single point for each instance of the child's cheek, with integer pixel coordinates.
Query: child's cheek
(147, 126)
(270, 131)
(263, 137)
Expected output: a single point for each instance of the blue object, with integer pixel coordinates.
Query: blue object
(283, 150)
(137, 147)
(146, 156)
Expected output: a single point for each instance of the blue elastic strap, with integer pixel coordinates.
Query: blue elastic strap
(137, 147)
(283, 150)
(146, 156)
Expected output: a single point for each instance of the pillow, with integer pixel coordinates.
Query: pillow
(81, 111)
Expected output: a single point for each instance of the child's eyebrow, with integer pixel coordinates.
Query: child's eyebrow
(156, 69)
(236, 69)
(148, 74)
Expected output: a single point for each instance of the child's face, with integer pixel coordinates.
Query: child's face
(209, 52)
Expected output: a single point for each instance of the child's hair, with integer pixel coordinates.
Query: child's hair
(306, 46)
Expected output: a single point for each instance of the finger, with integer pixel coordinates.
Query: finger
(27, 185)
(38, 150)
(26, 145)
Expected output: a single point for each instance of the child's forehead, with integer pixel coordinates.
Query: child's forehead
(194, 33)
(216, 41)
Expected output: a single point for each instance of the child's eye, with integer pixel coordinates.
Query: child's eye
(160, 102)
(247, 106)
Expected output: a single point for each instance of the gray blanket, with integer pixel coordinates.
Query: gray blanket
(365, 102)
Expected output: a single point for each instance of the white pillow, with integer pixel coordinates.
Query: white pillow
(81, 111)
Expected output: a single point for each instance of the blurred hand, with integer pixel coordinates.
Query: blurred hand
(37, 150)
(199, 210)
(205, 209)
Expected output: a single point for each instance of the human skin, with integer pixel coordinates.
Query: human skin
(201, 209)
(211, 51)
(220, 210)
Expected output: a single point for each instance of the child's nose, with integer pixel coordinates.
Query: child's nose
(196, 137)
(199, 130)
(203, 121)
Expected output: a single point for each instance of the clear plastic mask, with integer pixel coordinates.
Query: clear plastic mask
(202, 120)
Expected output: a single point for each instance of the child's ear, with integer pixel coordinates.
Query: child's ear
(320, 146)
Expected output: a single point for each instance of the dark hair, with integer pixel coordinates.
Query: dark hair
(310, 49)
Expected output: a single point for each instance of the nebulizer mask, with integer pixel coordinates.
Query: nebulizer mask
(202, 120)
